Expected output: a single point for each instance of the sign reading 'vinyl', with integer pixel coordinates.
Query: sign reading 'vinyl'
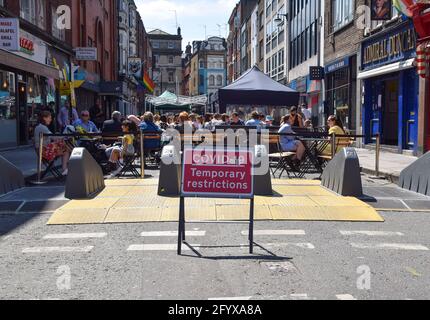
(9, 34)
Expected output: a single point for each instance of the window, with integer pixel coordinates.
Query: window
(212, 80)
(156, 45)
(342, 13)
(28, 10)
(171, 80)
(171, 45)
(170, 59)
(219, 80)
(202, 64)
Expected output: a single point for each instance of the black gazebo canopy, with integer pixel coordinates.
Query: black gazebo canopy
(256, 88)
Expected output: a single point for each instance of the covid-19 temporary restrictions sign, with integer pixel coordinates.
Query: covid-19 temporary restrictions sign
(218, 173)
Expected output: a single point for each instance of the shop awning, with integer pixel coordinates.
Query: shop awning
(393, 67)
(27, 65)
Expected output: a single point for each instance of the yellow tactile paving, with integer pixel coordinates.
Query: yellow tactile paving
(302, 190)
(83, 216)
(147, 182)
(123, 201)
(296, 182)
(121, 182)
(337, 201)
(112, 192)
(98, 203)
(133, 215)
(286, 201)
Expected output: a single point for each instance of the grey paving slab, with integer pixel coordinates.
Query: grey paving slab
(36, 193)
(42, 206)
(418, 204)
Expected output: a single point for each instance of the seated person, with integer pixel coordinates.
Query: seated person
(295, 120)
(148, 126)
(119, 152)
(336, 127)
(255, 121)
(84, 124)
(290, 143)
(52, 148)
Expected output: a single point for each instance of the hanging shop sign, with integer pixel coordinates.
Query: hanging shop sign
(381, 10)
(86, 54)
(135, 67)
(396, 45)
(9, 34)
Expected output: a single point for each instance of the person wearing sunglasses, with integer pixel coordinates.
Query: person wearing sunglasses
(84, 124)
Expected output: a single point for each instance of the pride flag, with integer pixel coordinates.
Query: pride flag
(147, 81)
(403, 6)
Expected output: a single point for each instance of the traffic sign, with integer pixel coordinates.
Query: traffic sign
(218, 173)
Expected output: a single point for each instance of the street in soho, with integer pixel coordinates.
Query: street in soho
(218, 151)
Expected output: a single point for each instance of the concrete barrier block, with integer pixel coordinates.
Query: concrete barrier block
(85, 176)
(416, 177)
(262, 177)
(169, 183)
(342, 174)
(11, 178)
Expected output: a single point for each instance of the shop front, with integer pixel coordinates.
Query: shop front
(390, 87)
(341, 81)
(27, 85)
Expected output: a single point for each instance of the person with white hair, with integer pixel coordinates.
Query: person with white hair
(114, 125)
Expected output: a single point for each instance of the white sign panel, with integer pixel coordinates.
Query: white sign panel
(9, 34)
(86, 54)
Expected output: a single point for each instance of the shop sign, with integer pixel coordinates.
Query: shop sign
(135, 67)
(26, 46)
(9, 34)
(302, 85)
(336, 65)
(395, 46)
(33, 48)
(86, 54)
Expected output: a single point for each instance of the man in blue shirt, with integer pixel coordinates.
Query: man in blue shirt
(85, 124)
(149, 127)
(255, 121)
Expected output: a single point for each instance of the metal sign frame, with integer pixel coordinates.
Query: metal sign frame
(182, 222)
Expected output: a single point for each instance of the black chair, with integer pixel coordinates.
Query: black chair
(50, 168)
(129, 162)
(283, 162)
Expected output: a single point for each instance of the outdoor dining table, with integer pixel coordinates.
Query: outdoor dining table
(311, 163)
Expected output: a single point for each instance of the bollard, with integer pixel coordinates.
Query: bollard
(39, 164)
(377, 154)
(169, 183)
(142, 156)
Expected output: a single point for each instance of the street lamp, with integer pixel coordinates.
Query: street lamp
(279, 20)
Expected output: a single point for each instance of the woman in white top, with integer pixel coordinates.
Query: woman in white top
(52, 148)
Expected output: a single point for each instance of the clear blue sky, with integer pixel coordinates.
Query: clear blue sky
(192, 16)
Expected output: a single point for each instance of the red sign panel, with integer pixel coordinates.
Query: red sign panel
(218, 173)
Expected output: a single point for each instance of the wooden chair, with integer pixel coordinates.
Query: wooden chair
(282, 160)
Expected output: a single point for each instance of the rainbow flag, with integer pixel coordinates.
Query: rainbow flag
(147, 81)
(403, 6)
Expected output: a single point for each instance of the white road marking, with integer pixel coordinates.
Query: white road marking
(372, 233)
(299, 296)
(57, 249)
(393, 246)
(405, 204)
(304, 245)
(276, 233)
(345, 297)
(172, 234)
(160, 247)
(75, 235)
(232, 298)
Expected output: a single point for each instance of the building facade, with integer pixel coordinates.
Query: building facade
(305, 50)
(342, 41)
(233, 44)
(28, 75)
(167, 61)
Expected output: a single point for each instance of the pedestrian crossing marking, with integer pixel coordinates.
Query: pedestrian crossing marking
(75, 235)
(372, 233)
(276, 233)
(57, 249)
(390, 246)
(172, 233)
